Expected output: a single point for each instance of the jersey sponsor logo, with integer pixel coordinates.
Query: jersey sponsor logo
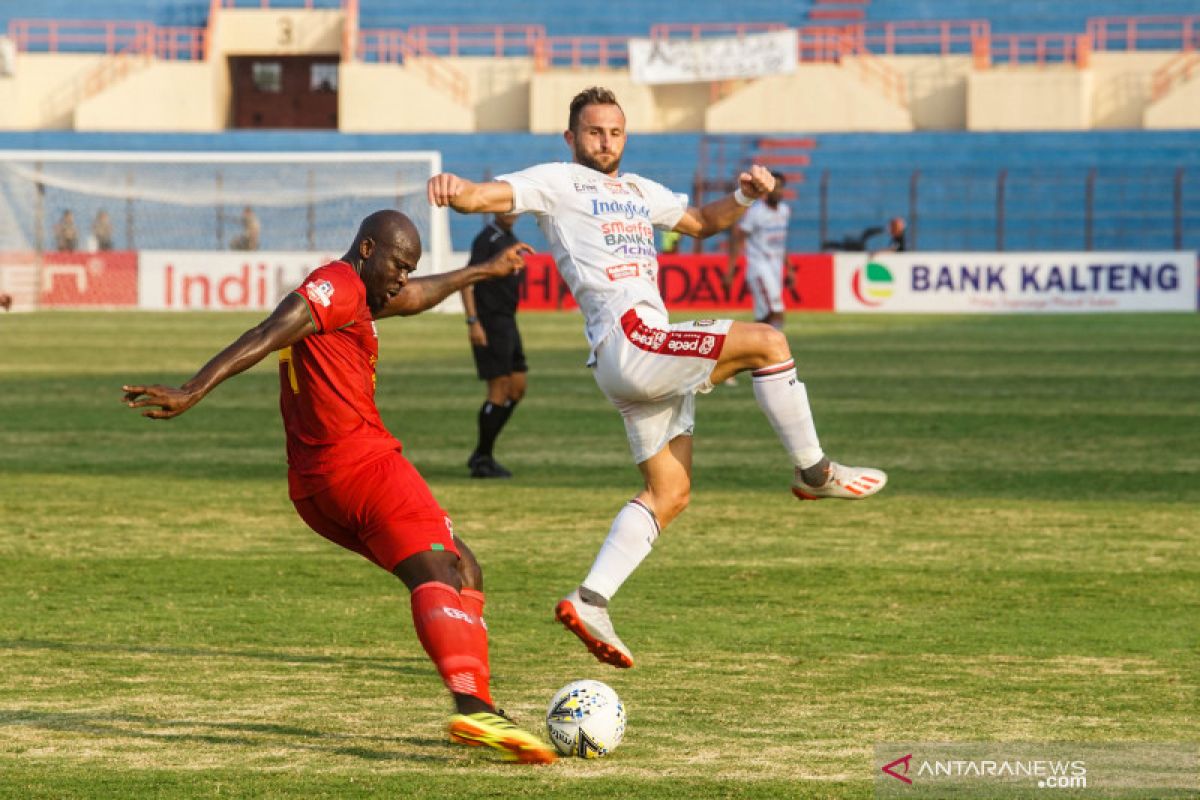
(671, 342)
(626, 208)
(704, 323)
(457, 613)
(620, 228)
(320, 292)
(633, 187)
(622, 271)
(649, 337)
(585, 188)
(615, 187)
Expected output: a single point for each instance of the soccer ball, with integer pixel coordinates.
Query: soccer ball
(586, 719)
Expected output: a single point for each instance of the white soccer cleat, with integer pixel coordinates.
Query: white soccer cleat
(593, 627)
(845, 483)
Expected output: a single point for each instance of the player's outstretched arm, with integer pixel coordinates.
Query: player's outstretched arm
(447, 189)
(289, 323)
(424, 293)
(720, 214)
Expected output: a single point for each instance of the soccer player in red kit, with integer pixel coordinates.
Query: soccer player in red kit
(346, 475)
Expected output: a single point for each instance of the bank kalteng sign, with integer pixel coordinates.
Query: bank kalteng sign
(717, 58)
(1015, 282)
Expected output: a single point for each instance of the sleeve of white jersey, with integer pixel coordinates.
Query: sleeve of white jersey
(749, 220)
(536, 189)
(666, 207)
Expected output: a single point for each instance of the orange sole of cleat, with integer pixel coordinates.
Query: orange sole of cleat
(565, 613)
(513, 748)
(802, 496)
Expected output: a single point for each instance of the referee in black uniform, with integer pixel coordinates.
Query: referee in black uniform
(491, 308)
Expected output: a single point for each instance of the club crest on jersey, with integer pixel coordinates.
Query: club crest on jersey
(615, 187)
(622, 271)
(320, 292)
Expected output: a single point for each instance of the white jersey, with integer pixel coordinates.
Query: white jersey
(766, 238)
(601, 233)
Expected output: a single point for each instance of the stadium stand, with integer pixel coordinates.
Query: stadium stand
(1069, 191)
(1093, 189)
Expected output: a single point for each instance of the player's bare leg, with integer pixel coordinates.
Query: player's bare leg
(584, 612)
(784, 400)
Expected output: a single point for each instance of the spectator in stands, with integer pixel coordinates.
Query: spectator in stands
(898, 231)
(66, 236)
(102, 232)
(248, 238)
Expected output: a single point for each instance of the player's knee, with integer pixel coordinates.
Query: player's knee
(774, 346)
(469, 571)
(669, 503)
(516, 393)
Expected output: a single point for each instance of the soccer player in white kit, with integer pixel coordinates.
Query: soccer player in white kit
(600, 224)
(763, 233)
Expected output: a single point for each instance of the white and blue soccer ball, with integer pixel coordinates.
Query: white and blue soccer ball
(586, 719)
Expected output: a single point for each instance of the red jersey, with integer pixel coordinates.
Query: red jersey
(327, 384)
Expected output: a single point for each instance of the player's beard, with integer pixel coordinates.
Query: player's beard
(591, 163)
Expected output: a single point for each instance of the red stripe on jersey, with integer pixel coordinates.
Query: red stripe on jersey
(693, 344)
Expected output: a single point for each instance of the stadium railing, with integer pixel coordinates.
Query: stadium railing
(1145, 33)
(1177, 70)
(108, 37)
(1037, 49)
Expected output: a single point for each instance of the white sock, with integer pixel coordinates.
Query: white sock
(629, 541)
(784, 400)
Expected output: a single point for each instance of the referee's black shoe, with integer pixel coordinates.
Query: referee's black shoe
(487, 467)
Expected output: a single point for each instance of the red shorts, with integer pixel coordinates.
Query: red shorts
(383, 511)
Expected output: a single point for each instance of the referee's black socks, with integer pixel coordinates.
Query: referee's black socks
(492, 418)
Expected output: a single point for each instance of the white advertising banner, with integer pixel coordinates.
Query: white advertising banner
(220, 281)
(1014, 282)
(752, 55)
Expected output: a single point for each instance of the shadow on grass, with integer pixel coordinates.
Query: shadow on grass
(397, 665)
(228, 733)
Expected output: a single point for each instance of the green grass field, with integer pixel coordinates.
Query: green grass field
(169, 628)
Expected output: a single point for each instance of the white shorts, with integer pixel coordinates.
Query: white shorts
(651, 370)
(766, 287)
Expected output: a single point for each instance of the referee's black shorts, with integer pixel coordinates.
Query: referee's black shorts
(504, 354)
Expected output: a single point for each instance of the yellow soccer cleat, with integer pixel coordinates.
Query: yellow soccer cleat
(492, 730)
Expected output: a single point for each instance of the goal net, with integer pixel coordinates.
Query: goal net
(66, 217)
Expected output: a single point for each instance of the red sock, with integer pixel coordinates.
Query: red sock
(472, 603)
(451, 636)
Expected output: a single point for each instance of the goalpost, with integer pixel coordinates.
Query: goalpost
(69, 220)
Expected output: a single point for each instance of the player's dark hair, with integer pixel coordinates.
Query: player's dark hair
(780, 178)
(591, 96)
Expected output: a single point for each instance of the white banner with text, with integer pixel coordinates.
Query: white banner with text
(751, 55)
(220, 281)
(1014, 282)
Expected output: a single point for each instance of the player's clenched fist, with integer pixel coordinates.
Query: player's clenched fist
(444, 187)
(756, 182)
(510, 260)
